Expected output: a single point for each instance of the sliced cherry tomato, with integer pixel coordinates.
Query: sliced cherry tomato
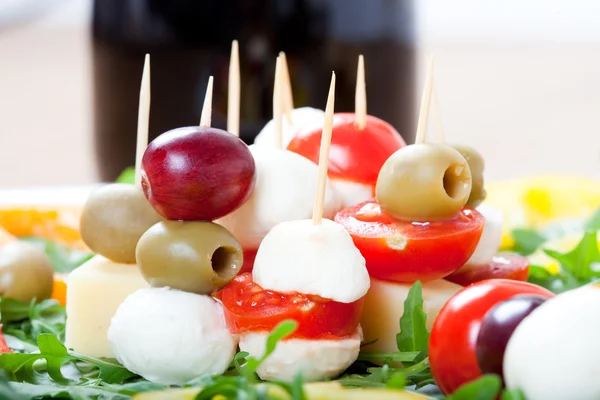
(356, 154)
(248, 265)
(502, 266)
(3, 346)
(453, 337)
(402, 251)
(248, 307)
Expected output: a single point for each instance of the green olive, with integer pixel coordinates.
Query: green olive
(477, 165)
(193, 256)
(113, 220)
(25, 272)
(424, 182)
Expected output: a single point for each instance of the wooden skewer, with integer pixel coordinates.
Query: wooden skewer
(233, 95)
(278, 104)
(287, 92)
(360, 97)
(207, 107)
(437, 118)
(143, 120)
(425, 104)
(324, 155)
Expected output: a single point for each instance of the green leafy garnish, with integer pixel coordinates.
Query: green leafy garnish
(64, 259)
(583, 262)
(593, 223)
(24, 322)
(486, 387)
(413, 335)
(23, 367)
(527, 241)
(127, 176)
(512, 394)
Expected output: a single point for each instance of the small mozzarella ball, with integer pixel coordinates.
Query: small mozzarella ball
(553, 354)
(384, 305)
(352, 193)
(300, 117)
(285, 189)
(490, 240)
(171, 337)
(314, 359)
(298, 256)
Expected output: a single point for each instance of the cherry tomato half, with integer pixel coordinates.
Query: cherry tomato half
(402, 251)
(503, 266)
(356, 154)
(248, 307)
(453, 338)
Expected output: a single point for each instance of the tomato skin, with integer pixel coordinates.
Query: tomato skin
(431, 250)
(248, 265)
(454, 333)
(356, 155)
(502, 266)
(3, 346)
(250, 308)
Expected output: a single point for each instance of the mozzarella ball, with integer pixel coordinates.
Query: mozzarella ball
(298, 256)
(170, 337)
(300, 117)
(553, 354)
(352, 193)
(490, 240)
(285, 189)
(314, 359)
(384, 305)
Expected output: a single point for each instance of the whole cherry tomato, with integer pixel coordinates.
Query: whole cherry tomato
(453, 338)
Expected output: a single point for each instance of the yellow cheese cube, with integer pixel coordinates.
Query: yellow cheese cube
(384, 305)
(95, 290)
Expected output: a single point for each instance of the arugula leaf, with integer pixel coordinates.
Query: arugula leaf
(26, 322)
(526, 241)
(583, 262)
(24, 367)
(78, 392)
(64, 259)
(127, 176)
(556, 283)
(413, 335)
(485, 388)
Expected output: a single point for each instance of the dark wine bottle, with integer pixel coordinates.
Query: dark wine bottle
(189, 40)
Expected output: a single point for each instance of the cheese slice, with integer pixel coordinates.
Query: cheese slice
(95, 290)
(384, 305)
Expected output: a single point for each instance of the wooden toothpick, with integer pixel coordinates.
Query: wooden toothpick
(324, 155)
(233, 95)
(288, 97)
(425, 104)
(143, 120)
(360, 97)
(278, 104)
(207, 107)
(437, 118)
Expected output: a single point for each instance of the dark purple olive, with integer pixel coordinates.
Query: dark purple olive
(497, 327)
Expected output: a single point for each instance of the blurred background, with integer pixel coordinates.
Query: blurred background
(518, 80)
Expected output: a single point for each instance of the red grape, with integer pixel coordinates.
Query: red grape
(497, 327)
(197, 174)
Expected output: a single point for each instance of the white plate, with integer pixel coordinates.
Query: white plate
(46, 196)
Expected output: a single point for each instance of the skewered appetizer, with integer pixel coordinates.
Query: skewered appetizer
(187, 257)
(321, 287)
